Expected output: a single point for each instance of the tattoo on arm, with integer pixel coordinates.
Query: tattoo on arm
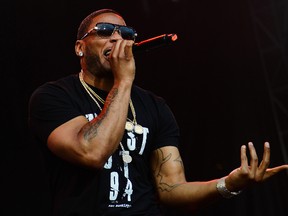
(91, 131)
(162, 160)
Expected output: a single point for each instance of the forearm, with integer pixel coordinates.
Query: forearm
(191, 195)
(103, 134)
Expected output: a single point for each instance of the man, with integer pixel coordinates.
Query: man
(112, 147)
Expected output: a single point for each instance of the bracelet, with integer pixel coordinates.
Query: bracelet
(221, 187)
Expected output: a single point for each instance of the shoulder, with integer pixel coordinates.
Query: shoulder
(61, 91)
(63, 84)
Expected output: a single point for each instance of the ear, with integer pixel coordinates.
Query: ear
(78, 48)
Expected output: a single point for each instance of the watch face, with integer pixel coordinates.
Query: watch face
(221, 187)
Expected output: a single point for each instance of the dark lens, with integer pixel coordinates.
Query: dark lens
(127, 33)
(104, 29)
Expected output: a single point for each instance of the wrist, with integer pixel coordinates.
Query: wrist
(222, 189)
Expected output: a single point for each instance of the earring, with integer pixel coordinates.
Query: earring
(80, 53)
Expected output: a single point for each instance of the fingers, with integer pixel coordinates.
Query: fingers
(244, 159)
(115, 50)
(266, 157)
(251, 167)
(253, 159)
(122, 48)
(128, 49)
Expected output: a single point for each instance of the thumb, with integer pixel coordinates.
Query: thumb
(273, 171)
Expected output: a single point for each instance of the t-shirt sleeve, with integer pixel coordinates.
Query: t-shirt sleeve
(168, 130)
(49, 107)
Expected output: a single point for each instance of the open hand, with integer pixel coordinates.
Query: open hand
(246, 174)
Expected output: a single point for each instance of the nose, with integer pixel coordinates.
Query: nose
(116, 34)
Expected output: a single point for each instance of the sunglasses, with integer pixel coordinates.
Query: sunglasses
(106, 30)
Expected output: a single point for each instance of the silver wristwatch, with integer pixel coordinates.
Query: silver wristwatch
(221, 187)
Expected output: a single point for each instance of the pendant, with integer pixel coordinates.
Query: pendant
(138, 129)
(129, 126)
(126, 157)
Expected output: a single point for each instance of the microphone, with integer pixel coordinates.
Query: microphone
(154, 42)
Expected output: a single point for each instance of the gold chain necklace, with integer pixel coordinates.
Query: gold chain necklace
(130, 126)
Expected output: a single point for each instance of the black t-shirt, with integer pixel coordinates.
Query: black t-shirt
(119, 188)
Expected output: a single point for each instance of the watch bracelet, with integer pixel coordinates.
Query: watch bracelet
(221, 187)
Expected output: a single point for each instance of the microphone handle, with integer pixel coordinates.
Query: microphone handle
(154, 42)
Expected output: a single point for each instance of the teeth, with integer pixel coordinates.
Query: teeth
(107, 53)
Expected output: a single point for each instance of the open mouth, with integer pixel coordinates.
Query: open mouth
(107, 52)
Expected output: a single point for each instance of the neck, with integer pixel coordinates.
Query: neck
(103, 83)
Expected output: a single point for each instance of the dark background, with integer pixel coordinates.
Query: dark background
(225, 79)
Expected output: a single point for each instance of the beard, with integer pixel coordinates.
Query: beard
(95, 66)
